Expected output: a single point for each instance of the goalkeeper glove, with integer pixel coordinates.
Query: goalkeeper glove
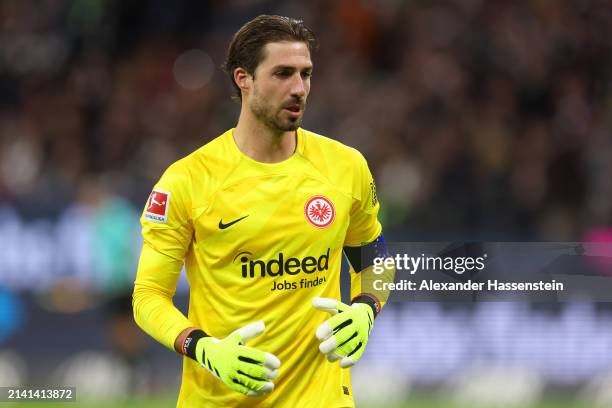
(244, 369)
(344, 335)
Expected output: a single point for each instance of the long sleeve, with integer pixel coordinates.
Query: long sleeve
(167, 234)
(154, 288)
(364, 241)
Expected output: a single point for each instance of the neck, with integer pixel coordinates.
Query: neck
(261, 143)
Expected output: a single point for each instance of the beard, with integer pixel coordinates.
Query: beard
(272, 117)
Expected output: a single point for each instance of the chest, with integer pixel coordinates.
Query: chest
(276, 210)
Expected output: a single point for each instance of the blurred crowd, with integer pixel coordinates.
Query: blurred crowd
(480, 119)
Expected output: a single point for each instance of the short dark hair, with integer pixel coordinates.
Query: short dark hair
(246, 48)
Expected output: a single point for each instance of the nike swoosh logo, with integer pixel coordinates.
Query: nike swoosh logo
(229, 224)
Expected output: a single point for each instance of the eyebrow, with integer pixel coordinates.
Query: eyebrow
(290, 67)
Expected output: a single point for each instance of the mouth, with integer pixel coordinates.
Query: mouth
(294, 110)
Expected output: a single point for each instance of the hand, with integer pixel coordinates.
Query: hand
(244, 369)
(344, 335)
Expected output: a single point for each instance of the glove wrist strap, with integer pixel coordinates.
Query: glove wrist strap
(368, 300)
(189, 345)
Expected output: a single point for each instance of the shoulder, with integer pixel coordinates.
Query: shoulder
(212, 159)
(318, 147)
(197, 175)
(324, 151)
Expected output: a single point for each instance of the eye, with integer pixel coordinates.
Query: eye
(283, 74)
(306, 74)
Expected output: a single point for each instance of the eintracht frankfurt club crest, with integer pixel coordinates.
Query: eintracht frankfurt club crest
(319, 211)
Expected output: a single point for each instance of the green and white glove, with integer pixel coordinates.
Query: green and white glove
(344, 335)
(244, 369)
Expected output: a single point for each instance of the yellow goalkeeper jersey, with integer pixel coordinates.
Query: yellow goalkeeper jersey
(259, 241)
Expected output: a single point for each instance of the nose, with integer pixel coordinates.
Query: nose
(298, 87)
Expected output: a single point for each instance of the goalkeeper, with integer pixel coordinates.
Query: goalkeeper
(260, 218)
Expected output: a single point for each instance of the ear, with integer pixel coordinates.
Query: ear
(243, 79)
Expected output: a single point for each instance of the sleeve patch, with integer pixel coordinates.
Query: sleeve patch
(373, 193)
(157, 207)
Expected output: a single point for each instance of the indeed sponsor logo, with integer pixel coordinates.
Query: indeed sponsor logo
(280, 265)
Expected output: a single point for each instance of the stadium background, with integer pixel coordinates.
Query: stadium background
(481, 120)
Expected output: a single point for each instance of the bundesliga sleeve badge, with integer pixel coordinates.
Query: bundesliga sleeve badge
(319, 211)
(157, 207)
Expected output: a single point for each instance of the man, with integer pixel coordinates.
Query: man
(260, 216)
